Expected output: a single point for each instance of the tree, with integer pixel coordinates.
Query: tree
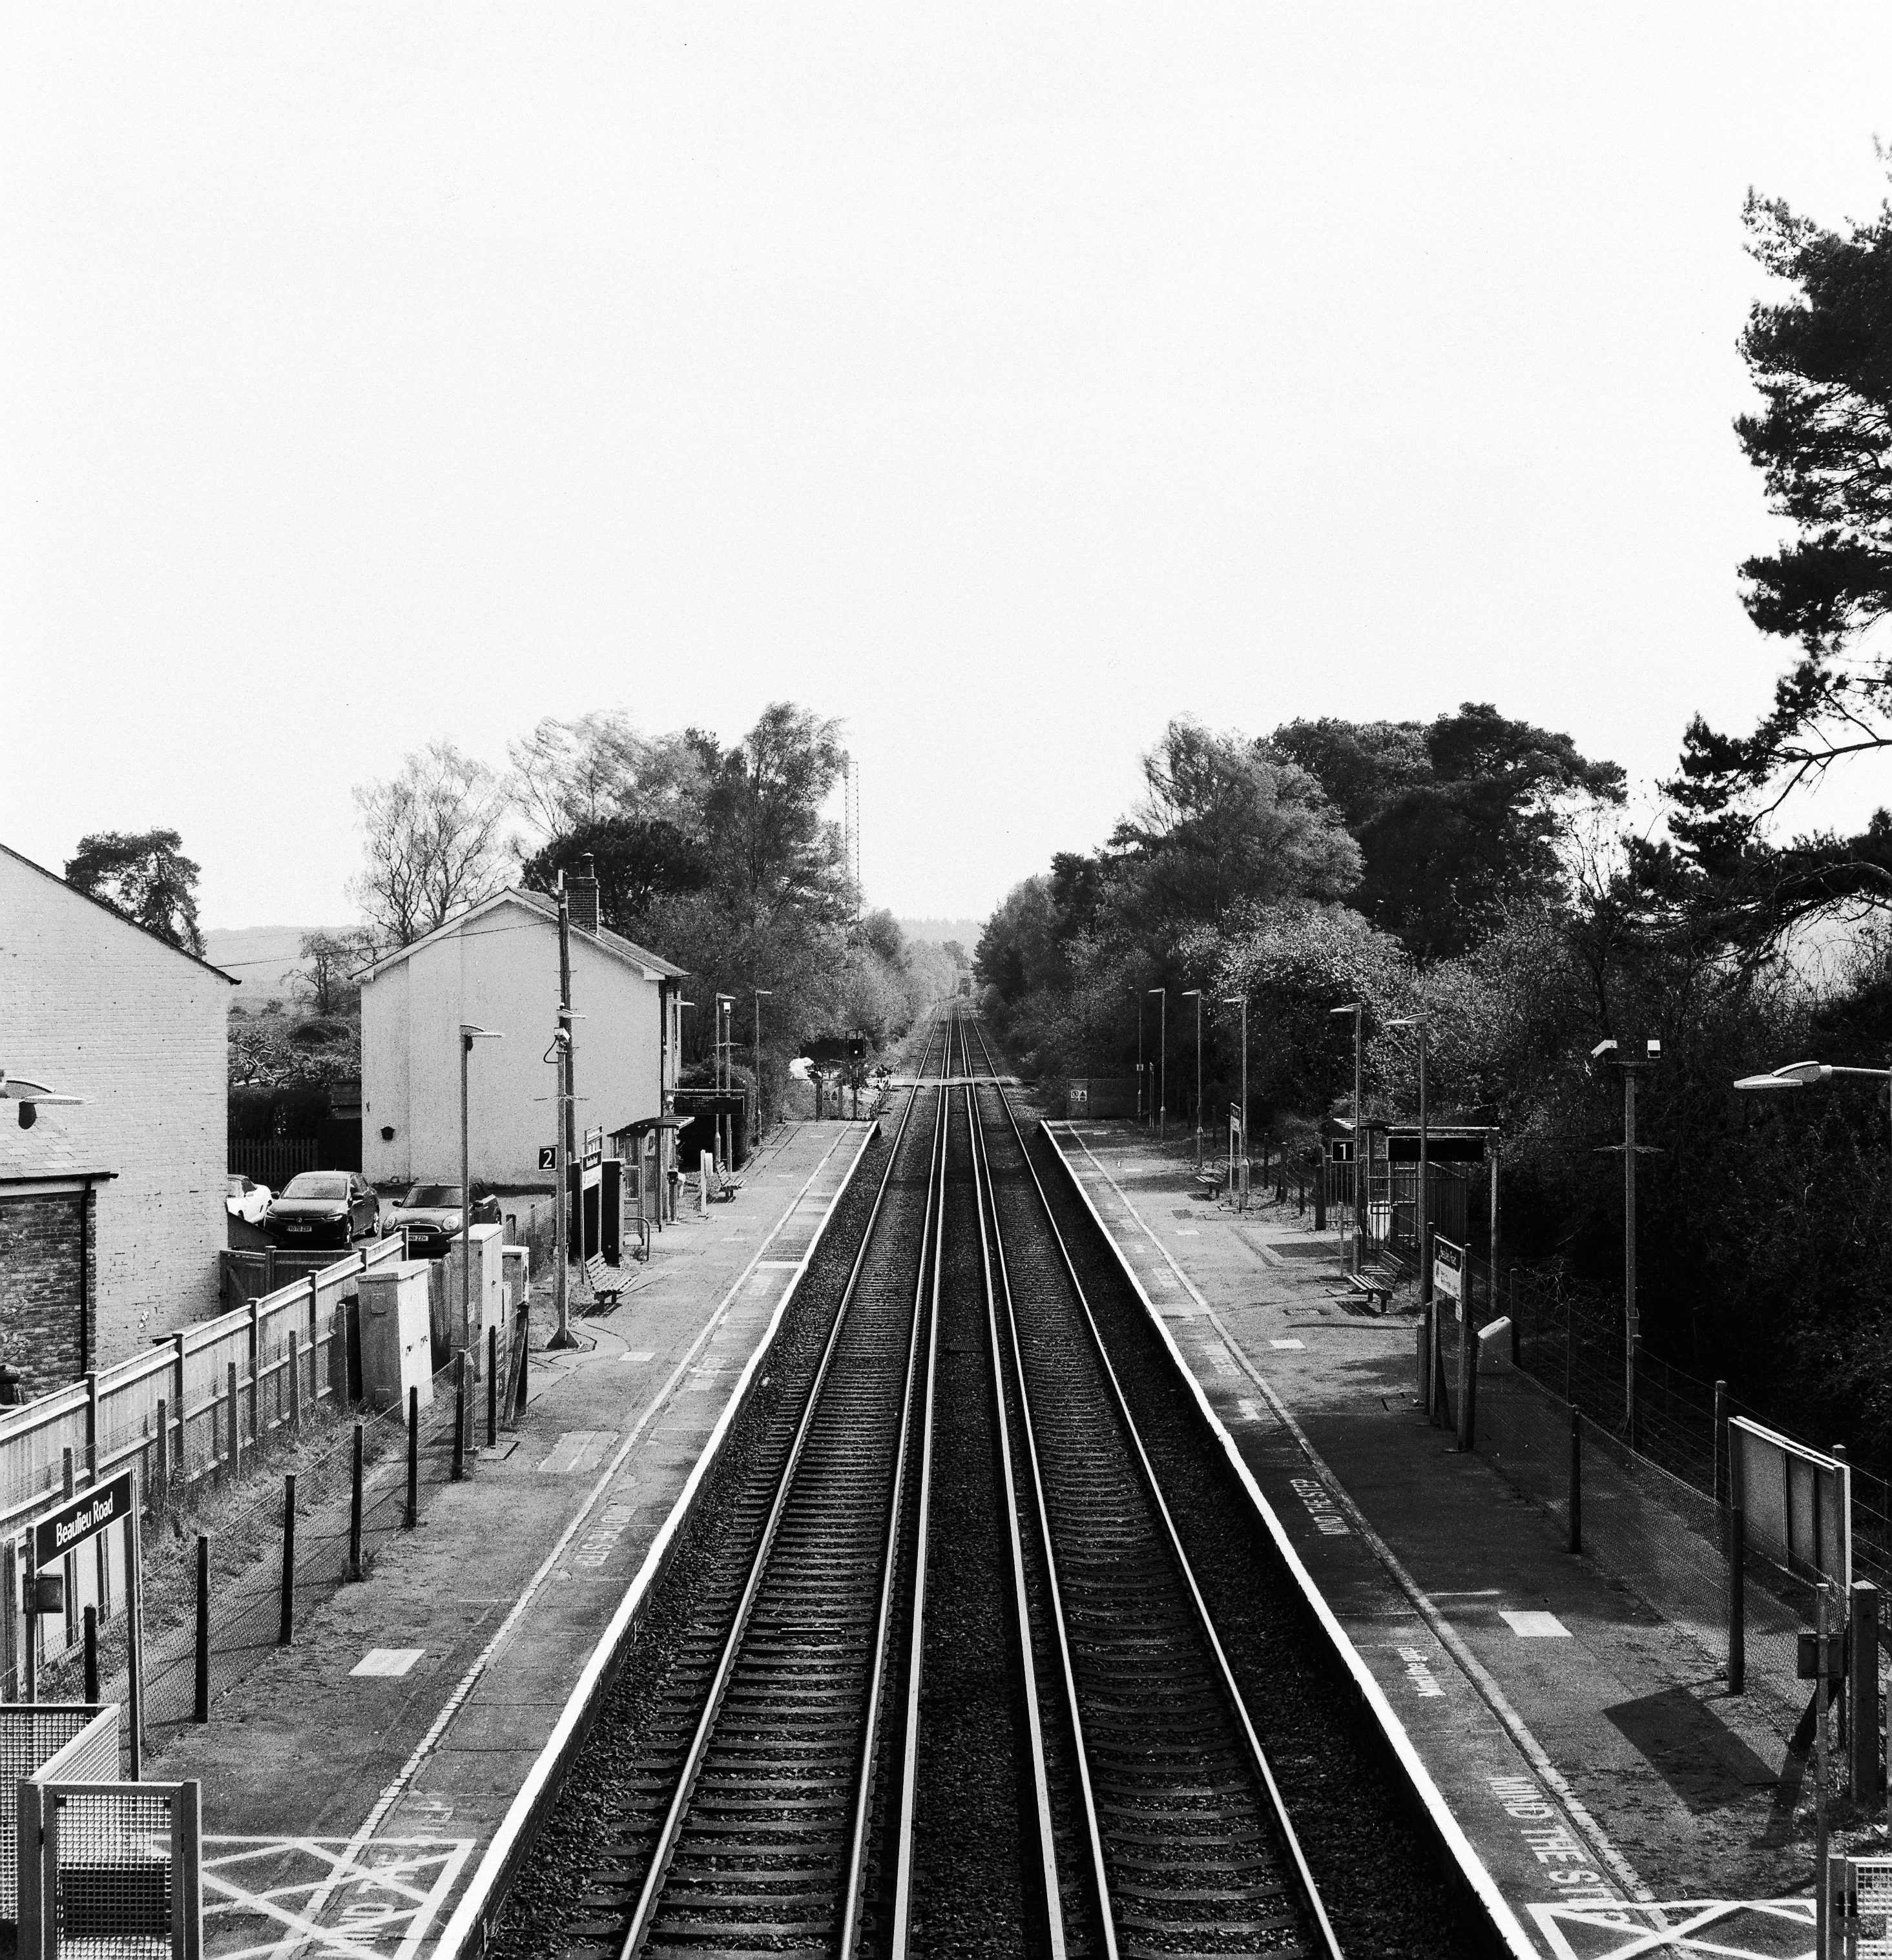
(1822, 361)
(332, 957)
(435, 841)
(1224, 824)
(567, 774)
(1458, 820)
(145, 875)
(638, 860)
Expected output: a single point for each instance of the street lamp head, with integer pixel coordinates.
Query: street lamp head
(1234, 1000)
(29, 1096)
(1768, 1082)
(1351, 1007)
(1796, 1075)
(1409, 1021)
(1192, 993)
(469, 1033)
(1156, 990)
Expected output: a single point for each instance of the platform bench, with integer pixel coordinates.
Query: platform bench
(1379, 1295)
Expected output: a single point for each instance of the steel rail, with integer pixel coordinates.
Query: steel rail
(908, 1807)
(650, 1895)
(998, 1282)
(1231, 1690)
(933, 1237)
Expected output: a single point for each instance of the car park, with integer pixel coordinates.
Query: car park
(430, 1214)
(323, 1207)
(246, 1200)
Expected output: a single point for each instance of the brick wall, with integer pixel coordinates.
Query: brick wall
(44, 1322)
(94, 1007)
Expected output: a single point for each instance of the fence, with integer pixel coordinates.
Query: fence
(185, 1411)
(1651, 1482)
(274, 1160)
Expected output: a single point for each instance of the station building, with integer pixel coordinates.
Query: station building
(111, 1211)
(496, 967)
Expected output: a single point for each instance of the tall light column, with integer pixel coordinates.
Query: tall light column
(1196, 995)
(469, 1035)
(1162, 1059)
(1241, 1001)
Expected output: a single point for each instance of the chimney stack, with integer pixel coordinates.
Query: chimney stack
(582, 893)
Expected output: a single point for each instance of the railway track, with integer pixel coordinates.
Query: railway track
(949, 1683)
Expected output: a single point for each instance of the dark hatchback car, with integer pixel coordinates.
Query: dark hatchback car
(430, 1214)
(323, 1207)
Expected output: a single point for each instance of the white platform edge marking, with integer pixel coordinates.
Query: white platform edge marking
(453, 1934)
(1510, 1927)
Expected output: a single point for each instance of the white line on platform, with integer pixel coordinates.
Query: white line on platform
(1535, 1626)
(1301, 1344)
(525, 1799)
(1490, 1692)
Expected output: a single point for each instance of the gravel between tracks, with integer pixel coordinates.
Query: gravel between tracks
(574, 1890)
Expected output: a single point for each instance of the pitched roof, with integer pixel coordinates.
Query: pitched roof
(41, 1152)
(653, 965)
(112, 912)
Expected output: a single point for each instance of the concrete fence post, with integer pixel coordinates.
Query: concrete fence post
(286, 1626)
(411, 1517)
(200, 1712)
(161, 1490)
(355, 1505)
(1721, 1448)
(1737, 1548)
(91, 1655)
(255, 1369)
(1865, 1775)
(295, 1383)
(234, 1396)
(91, 1425)
(1575, 1499)
(459, 1414)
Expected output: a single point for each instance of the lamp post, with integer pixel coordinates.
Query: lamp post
(1196, 995)
(1357, 1008)
(725, 1064)
(469, 1034)
(761, 993)
(1162, 1060)
(1631, 1063)
(1140, 1113)
(1241, 1001)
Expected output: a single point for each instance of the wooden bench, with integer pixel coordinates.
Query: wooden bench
(1210, 1181)
(1379, 1295)
(608, 1286)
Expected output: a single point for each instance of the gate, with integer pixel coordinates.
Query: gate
(110, 1871)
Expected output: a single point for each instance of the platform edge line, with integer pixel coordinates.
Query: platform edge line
(469, 1911)
(1505, 1922)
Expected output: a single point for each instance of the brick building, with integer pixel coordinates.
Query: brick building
(111, 1212)
(497, 966)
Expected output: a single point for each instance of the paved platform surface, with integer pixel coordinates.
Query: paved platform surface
(1620, 1800)
(354, 1784)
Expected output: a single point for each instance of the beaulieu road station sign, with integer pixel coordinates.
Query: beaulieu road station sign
(84, 1517)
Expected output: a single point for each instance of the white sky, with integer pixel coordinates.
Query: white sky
(1003, 380)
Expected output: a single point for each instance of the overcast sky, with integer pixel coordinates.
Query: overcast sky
(1004, 381)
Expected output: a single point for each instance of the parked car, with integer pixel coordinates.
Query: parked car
(323, 1207)
(430, 1212)
(244, 1200)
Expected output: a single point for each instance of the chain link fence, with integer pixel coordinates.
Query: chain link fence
(1551, 1413)
(229, 1541)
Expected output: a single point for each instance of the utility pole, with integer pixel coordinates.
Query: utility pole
(1631, 1059)
(568, 1081)
(761, 993)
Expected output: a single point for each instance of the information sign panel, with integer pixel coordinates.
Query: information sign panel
(1448, 1268)
(594, 1146)
(86, 1515)
(1798, 1502)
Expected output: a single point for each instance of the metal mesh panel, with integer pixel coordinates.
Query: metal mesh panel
(1871, 1890)
(111, 1892)
(29, 1736)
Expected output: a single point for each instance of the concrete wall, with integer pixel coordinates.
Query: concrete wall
(500, 971)
(96, 1008)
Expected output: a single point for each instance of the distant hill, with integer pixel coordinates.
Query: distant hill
(940, 930)
(263, 957)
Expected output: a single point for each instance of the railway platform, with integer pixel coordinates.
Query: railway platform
(1612, 1799)
(362, 1788)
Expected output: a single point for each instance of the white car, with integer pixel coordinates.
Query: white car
(245, 1201)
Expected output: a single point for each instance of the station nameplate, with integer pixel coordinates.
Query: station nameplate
(87, 1515)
